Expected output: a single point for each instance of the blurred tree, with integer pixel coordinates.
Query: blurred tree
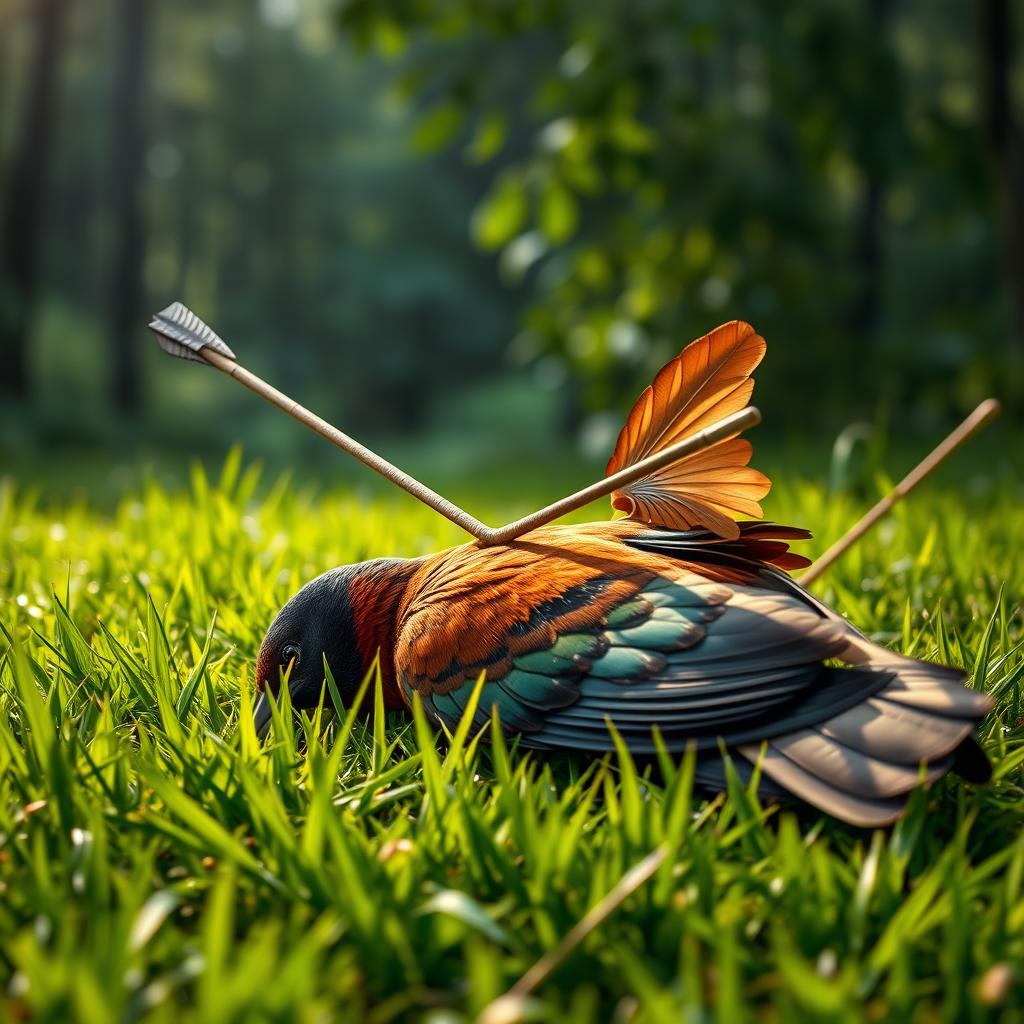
(237, 156)
(630, 172)
(659, 167)
(23, 208)
(1006, 137)
(287, 205)
(127, 154)
(875, 142)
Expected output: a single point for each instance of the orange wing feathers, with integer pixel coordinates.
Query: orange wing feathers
(491, 604)
(475, 609)
(708, 380)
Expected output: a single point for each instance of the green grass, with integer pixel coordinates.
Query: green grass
(157, 864)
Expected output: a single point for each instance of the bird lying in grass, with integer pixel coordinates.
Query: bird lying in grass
(676, 618)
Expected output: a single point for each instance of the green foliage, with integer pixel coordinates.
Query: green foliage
(822, 171)
(157, 864)
(637, 172)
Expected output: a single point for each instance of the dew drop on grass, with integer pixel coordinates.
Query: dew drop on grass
(827, 963)
(80, 837)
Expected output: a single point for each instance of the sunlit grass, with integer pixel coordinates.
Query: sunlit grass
(156, 863)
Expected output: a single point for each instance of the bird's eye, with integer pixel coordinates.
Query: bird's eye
(290, 653)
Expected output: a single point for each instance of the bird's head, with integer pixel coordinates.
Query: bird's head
(317, 624)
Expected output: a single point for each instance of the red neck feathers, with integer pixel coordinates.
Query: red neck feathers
(375, 597)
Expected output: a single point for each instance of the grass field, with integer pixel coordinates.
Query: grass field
(156, 864)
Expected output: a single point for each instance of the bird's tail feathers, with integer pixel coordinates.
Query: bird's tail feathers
(862, 763)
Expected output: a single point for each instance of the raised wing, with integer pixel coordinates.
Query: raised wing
(708, 380)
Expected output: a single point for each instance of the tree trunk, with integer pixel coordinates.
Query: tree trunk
(867, 306)
(126, 177)
(1006, 140)
(23, 218)
(868, 254)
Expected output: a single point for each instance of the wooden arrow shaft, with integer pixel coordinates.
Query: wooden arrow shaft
(348, 444)
(984, 413)
(728, 426)
(182, 334)
(725, 428)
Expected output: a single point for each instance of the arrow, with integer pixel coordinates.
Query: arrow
(983, 415)
(182, 334)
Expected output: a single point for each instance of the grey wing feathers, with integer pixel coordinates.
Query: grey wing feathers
(761, 654)
(752, 666)
(861, 763)
(852, 741)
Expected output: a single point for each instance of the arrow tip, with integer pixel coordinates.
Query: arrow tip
(180, 333)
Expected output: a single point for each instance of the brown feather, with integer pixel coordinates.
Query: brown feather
(852, 742)
(708, 380)
(481, 603)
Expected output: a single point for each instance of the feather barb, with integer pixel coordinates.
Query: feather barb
(708, 380)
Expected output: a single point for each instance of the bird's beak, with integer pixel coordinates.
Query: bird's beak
(261, 716)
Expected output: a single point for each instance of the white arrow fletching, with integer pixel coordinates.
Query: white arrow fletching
(180, 333)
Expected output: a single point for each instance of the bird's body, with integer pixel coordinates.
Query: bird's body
(705, 639)
(678, 621)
